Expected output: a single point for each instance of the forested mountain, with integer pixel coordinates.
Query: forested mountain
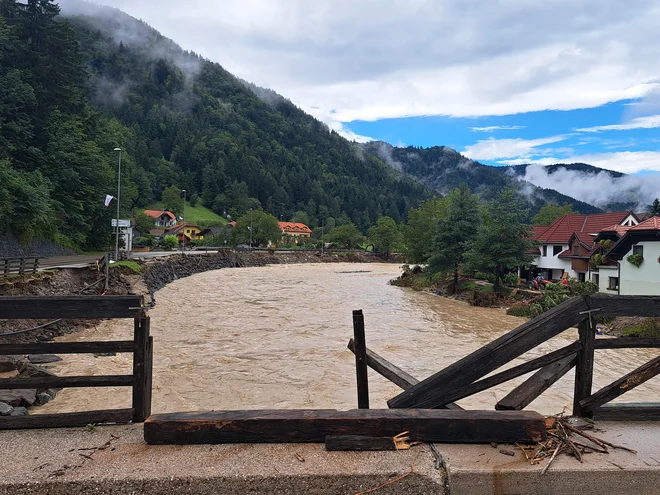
(443, 169)
(73, 90)
(584, 168)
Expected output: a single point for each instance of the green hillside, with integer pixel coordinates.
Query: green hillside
(73, 91)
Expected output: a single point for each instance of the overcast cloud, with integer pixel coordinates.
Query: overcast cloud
(344, 60)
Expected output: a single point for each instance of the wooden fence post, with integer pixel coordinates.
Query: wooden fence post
(21, 266)
(584, 367)
(360, 360)
(35, 266)
(141, 369)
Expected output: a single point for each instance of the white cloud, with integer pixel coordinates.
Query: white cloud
(373, 59)
(495, 149)
(649, 122)
(601, 188)
(493, 128)
(628, 162)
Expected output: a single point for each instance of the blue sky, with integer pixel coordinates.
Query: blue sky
(503, 81)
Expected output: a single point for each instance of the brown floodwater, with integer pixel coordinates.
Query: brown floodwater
(275, 337)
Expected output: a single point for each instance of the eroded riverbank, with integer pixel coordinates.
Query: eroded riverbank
(275, 336)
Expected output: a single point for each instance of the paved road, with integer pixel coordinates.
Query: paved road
(81, 261)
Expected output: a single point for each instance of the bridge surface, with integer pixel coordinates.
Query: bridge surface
(115, 459)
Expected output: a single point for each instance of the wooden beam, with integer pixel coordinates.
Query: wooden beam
(584, 368)
(511, 373)
(142, 358)
(432, 392)
(627, 343)
(66, 382)
(84, 307)
(622, 385)
(521, 396)
(67, 347)
(392, 372)
(643, 411)
(625, 305)
(358, 443)
(282, 426)
(361, 360)
(66, 420)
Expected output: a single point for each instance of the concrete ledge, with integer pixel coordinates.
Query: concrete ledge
(51, 461)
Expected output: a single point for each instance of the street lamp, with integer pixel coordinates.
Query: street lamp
(183, 228)
(118, 199)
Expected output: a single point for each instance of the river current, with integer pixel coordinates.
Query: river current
(275, 337)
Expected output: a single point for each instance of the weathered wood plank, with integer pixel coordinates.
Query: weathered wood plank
(358, 443)
(622, 385)
(584, 368)
(66, 382)
(392, 372)
(141, 370)
(84, 307)
(643, 411)
(361, 360)
(66, 420)
(431, 392)
(281, 426)
(511, 373)
(67, 347)
(625, 305)
(521, 396)
(627, 343)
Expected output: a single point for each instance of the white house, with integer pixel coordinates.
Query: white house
(631, 280)
(567, 244)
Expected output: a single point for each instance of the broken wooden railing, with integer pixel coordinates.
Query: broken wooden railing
(83, 307)
(467, 376)
(18, 266)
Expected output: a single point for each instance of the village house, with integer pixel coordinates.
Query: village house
(295, 229)
(568, 244)
(163, 218)
(617, 272)
(186, 232)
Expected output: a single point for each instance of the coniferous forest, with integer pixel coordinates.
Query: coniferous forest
(71, 92)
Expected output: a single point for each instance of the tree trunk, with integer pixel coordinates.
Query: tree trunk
(497, 279)
(456, 277)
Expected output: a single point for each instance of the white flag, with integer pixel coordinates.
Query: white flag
(108, 199)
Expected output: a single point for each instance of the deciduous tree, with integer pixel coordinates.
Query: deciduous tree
(385, 235)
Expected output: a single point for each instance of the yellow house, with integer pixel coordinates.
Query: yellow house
(186, 232)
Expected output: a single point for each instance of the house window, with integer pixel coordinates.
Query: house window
(556, 250)
(581, 277)
(638, 250)
(545, 250)
(576, 250)
(595, 278)
(614, 283)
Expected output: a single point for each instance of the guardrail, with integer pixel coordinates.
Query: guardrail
(13, 266)
(83, 307)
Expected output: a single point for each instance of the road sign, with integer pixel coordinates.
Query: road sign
(122, 223)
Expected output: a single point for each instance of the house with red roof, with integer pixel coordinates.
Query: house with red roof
(164, 218)
(568, 244)
(632, 265)
(295, 229)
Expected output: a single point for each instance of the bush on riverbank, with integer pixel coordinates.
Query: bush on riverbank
(555, 294)
(649, 327)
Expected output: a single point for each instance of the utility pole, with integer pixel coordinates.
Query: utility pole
(322, 237)
(250, 229)
(183, 228)
(118, 200)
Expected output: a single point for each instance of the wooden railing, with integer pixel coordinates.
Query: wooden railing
(466, 377)
(83, 307)
(13, 266)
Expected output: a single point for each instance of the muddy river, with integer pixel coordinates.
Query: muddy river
(275, 337)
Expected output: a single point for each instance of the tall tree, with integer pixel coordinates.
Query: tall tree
(172, 200)
(456, 232)
(504, 239)
(421, 227)
(385, 235)
(257, 226)
(549, 213)
(655, 207)
(346, 236)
